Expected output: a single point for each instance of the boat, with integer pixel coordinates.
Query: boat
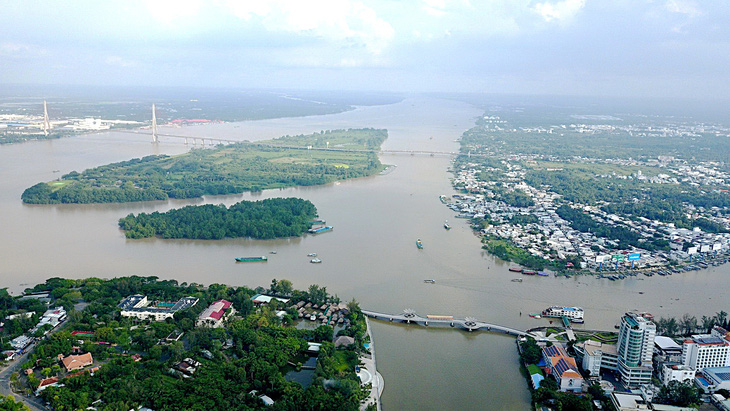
(312, 255)
(272, 252)
(446, 225)
(569, 312)
(321, 229)
(429, 281)
(249, 259)
(443, 199)
(542, 274)
(515, 270)
(317, 221)
(529, 272)
(517, 280)
(533, 315)
(315, 261)
(419, 244)
(577, 320)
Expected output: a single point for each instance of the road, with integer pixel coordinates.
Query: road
(33, 402)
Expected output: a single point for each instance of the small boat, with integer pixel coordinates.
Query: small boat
(517, 280)
(515, 270)
(272, 252)
(529, 272)
(419, 244)
(542, 274)
(312, 255)
(446, 225)
(315, 261)
(538, 316)
(321, 229)
(249, 259)
(429, 281)
(577, 320)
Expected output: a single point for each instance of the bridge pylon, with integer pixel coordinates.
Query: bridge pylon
(46, 121)
(155, 138)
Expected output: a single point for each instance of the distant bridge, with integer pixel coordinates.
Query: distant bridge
(215, 141)
(469, 324)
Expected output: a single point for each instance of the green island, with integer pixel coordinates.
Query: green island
(265, 219)
(132, 342)
(225, 169)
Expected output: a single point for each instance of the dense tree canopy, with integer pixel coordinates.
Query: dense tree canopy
(265, 219)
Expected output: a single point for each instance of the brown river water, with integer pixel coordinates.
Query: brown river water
(370, 255)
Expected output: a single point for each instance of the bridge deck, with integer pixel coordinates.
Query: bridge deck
(464, 324)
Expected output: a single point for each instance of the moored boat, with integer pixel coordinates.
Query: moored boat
(515, 270)
(542, 274)
(321, 229)
(249, 259)
(529, 272)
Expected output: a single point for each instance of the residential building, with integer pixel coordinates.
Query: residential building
(139, 307)
(706, 350)
(597, 356)
(562, 368)
(19, 343)
(635, 347)
(215, 314)
(74, 362)
(676, 372)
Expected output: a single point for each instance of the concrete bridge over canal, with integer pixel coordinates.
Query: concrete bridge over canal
(469, 324)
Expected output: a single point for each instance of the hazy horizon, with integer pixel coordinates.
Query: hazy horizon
(663, 48)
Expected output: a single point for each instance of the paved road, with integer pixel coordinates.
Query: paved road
(33, 402)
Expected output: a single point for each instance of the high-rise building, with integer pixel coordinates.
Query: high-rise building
(707, 350)
(635, 348)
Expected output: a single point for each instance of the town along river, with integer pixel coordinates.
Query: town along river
(371, 254)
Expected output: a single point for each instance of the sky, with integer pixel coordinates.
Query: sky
(623, 48)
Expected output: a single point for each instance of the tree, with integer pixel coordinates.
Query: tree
(531, 353)
(688, 323)
(550, 384)
(680, 394)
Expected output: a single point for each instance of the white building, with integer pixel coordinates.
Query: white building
(635, 349)
(138, 306)
(597, 356)
(676, 372)
(666, 349)
(702, 351)
(215, 314)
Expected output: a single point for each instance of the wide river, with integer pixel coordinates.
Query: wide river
(370, 256)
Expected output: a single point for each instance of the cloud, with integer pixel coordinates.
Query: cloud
(345, 23)
(687, 8)
(120, 62)
(559, 11)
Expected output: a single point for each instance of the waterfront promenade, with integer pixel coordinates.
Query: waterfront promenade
(369, 374)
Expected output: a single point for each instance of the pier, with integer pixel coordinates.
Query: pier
(468, 324)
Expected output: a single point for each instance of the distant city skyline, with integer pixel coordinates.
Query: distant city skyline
(652, 48)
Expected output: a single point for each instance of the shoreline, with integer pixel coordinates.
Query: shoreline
(378, 384)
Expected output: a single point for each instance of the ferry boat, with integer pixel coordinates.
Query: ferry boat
(419, 244)
(515, 270)
(446, 225)
(570, 312)
(321, 229)
(249, 259)
(315, 261)
(429, 281)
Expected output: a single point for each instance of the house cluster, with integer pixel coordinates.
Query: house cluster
(546, 235)
(52, 318)
(75, 364)
(216, 314)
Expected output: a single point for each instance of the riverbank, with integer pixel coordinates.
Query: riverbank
(372, 375)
